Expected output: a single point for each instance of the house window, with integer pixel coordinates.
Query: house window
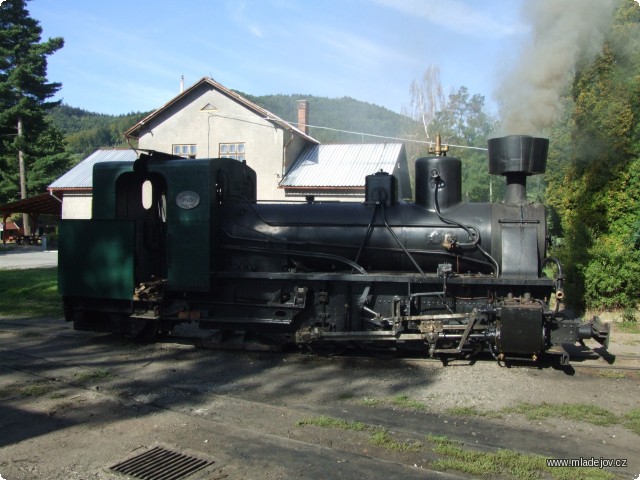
(186, 151)
(232, 150)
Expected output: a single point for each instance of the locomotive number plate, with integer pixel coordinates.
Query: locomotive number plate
(187, 199)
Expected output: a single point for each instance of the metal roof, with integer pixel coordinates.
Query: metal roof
(38, 204)
(81, 176)
(341, 165)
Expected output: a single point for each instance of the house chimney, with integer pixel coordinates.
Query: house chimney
(303, 116)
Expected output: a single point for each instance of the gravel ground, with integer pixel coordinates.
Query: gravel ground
(72, 404)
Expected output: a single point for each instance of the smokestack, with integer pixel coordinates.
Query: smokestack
(181, 83)
(303, 116)
(516, 157)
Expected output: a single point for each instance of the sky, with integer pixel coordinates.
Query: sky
(129, 56)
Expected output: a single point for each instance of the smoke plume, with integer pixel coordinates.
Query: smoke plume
(563, 33)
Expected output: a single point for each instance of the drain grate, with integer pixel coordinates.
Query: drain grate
(161, 464)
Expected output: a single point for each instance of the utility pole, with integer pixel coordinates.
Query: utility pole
(23, 180)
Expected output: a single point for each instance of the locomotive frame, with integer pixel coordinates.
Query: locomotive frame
(173, 240)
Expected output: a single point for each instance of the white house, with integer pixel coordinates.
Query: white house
(208, 120)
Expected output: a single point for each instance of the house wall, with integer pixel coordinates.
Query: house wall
(76, 206)
(192, 120)
(293, 147)
(401, 171)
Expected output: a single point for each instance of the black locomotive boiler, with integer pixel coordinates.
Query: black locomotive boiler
(173, 240)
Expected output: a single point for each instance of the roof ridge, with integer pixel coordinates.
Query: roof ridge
(115, 148)
(269, 116)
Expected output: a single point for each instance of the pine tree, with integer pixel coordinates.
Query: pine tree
(24, 91)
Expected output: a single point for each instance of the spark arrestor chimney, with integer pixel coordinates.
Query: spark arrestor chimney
(516, 157)
(303, 116)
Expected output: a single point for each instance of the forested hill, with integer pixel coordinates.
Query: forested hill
(331, 118)
(87, 131)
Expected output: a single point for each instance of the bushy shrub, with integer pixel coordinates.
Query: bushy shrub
(612, 276)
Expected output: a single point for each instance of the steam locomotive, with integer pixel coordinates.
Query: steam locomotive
(173, 240)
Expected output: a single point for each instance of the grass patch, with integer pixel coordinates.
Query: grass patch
(30, 292)
(35, 389)
(455, 456)
(464, 412)
(503, 463)
(382, 439)
(330, 422)
(441, 440)
(481, 464)
(401, 401)
(609, 374)
(627, 327)
(632, 420)
(372, 402)
(92, 376)
(572, 411)
(379, 437)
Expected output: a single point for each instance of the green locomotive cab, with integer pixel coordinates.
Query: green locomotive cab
(153, 229)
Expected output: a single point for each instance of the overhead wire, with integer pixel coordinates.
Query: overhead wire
(425, 142)
(363, 134)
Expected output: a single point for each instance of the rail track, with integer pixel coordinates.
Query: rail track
(584, 360)
(625, 362)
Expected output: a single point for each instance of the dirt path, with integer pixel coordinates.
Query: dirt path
(73, 404)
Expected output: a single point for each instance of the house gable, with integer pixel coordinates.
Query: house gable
(208, 121)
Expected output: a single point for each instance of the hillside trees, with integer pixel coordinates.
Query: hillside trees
(426, 100)
(461, 119)
(331, 119)
(85, 131)
(28, 140)
(465, 122)
(595, 188)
